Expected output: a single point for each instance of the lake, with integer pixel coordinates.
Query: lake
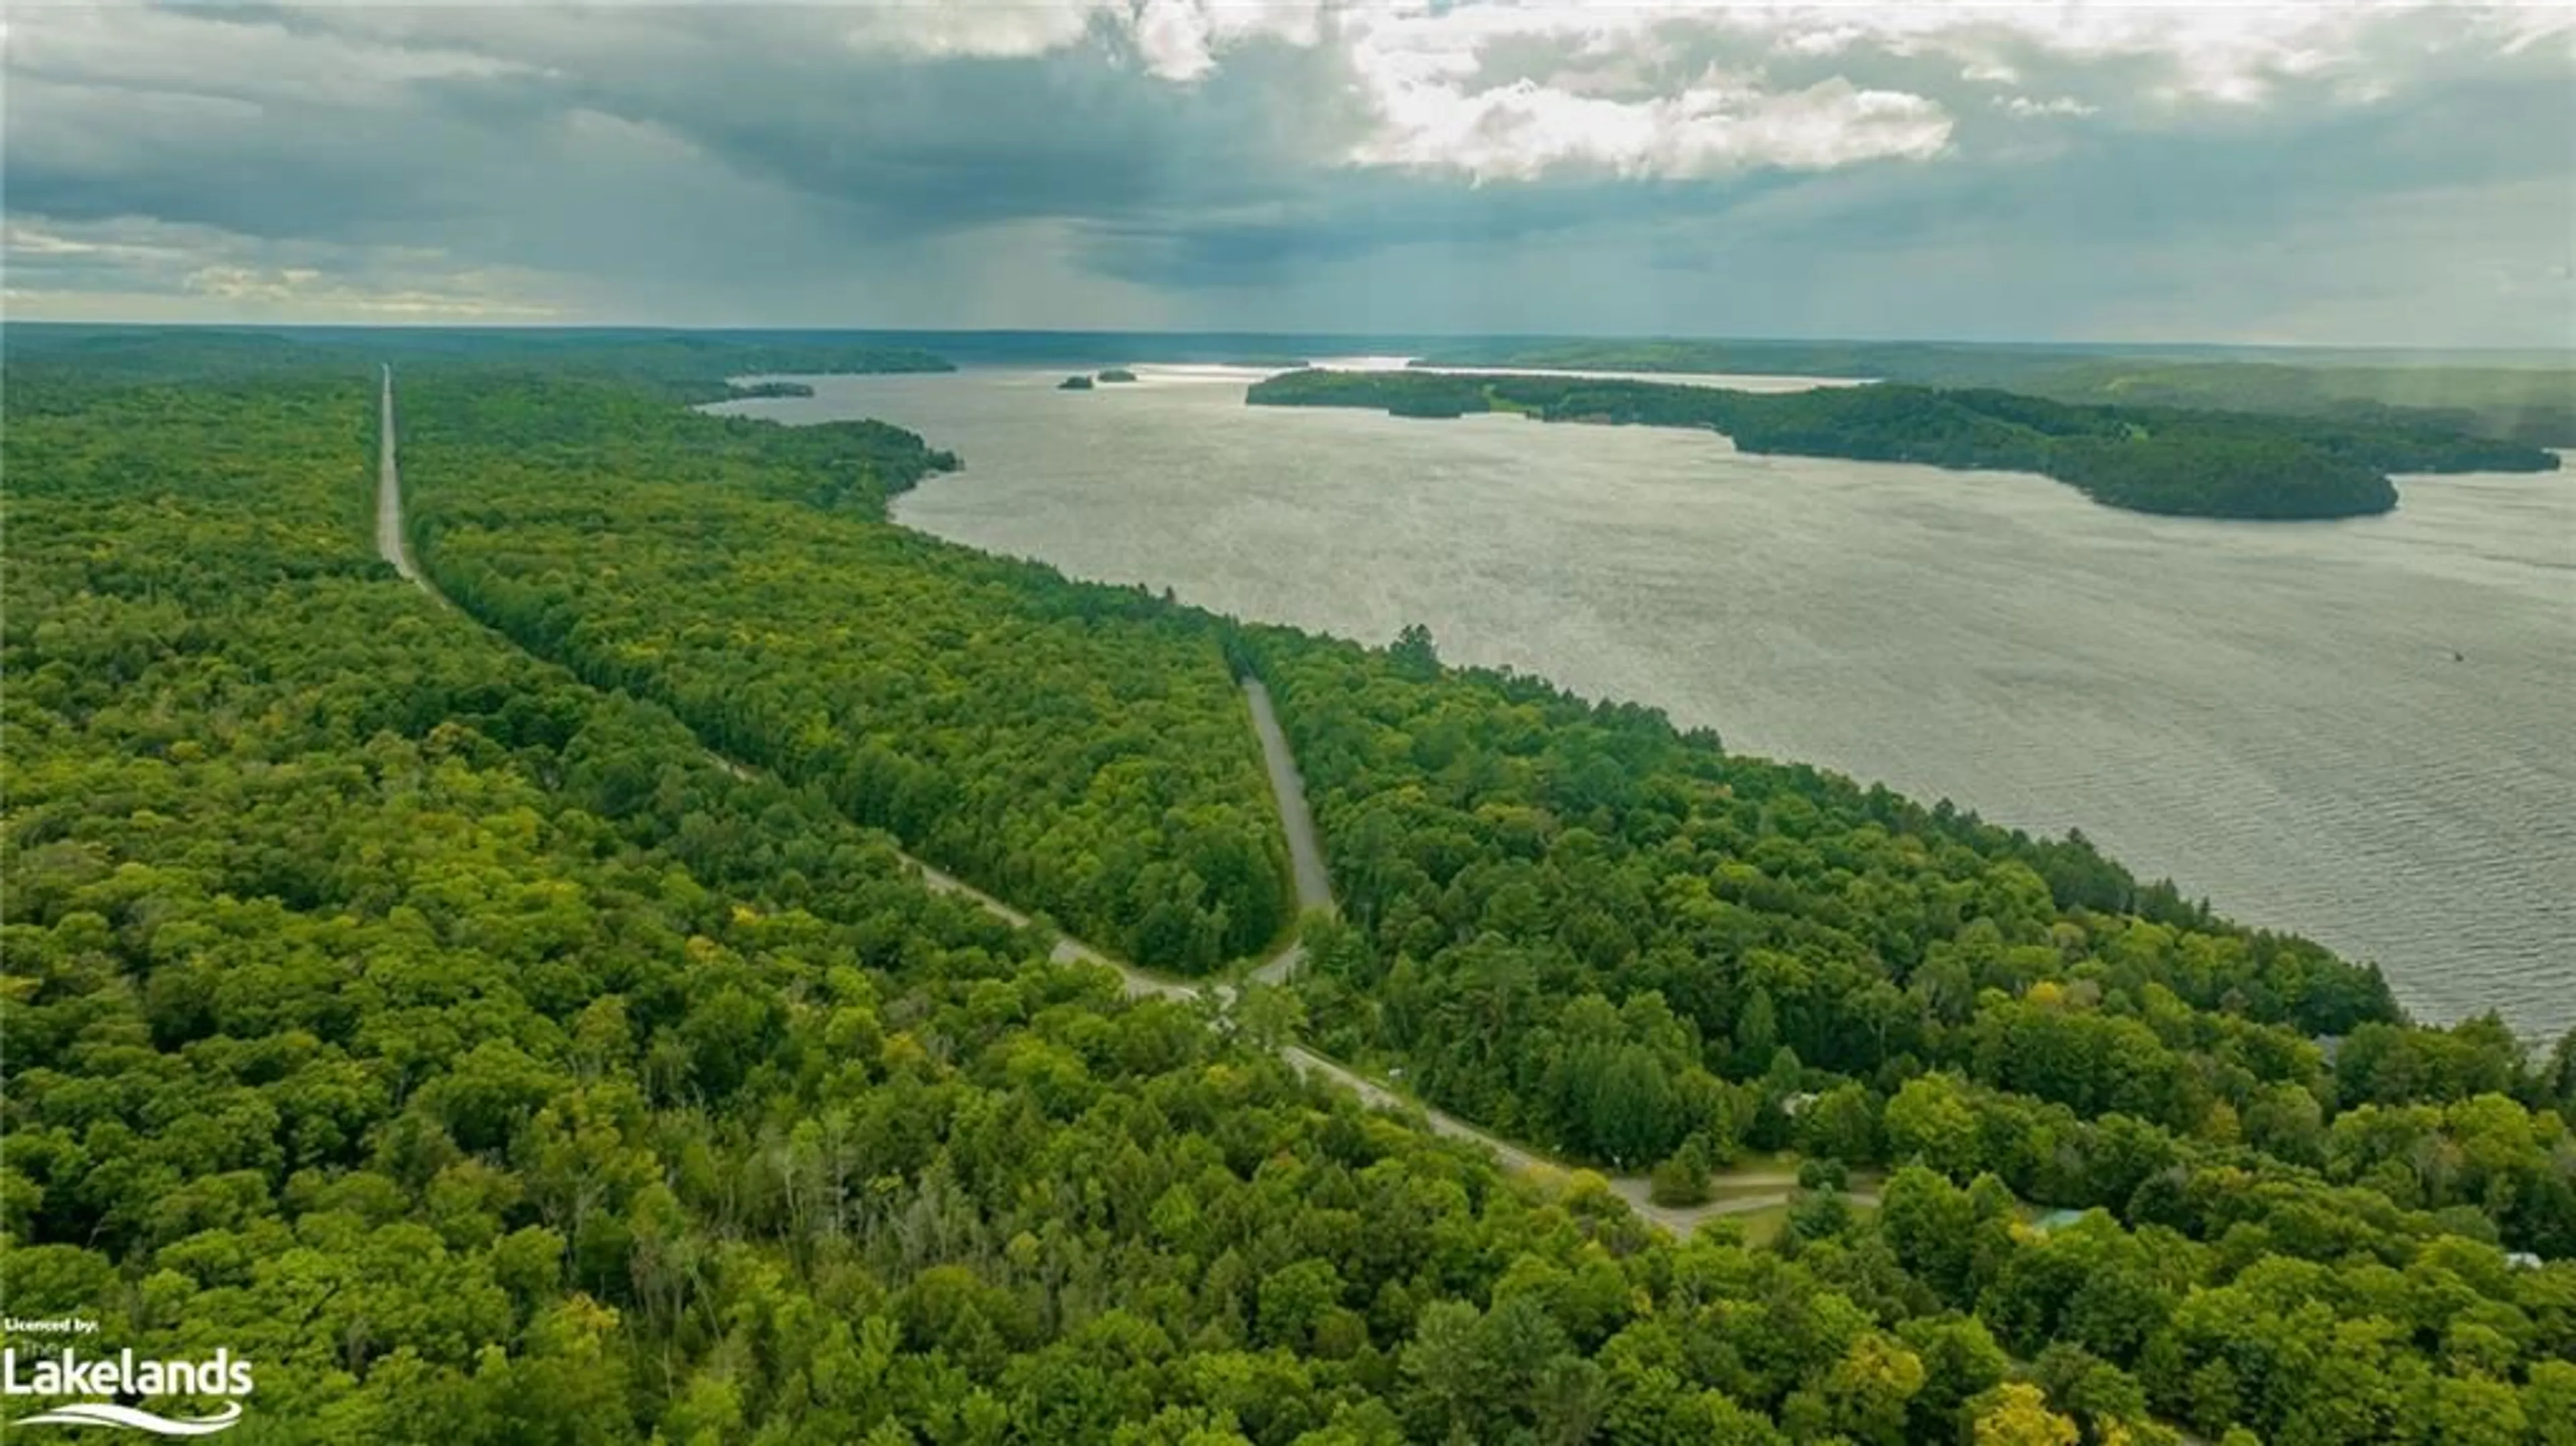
(2355, 730)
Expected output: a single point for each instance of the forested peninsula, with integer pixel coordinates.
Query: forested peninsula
(519, 1021)
(2531, 403)
(2146, 459)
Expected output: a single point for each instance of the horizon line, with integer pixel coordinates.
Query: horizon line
(661, 328)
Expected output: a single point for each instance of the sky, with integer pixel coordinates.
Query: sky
(2340, 174)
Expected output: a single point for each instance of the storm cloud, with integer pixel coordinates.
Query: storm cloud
(2387, 173)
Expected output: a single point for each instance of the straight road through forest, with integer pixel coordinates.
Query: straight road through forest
(395, 548)
(1305, 851)
(1314, 892)
(389, 524)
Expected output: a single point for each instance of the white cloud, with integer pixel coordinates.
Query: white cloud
(1420, 74)
(22, 242)
(1524, 130)
(2215, 51)
(1421, 71)
(2210, 52)
(1020, 28)
(1178, 40)
(139, 269)
(1172, 35)
(307, 290)
(2026, 108)
(168, 52)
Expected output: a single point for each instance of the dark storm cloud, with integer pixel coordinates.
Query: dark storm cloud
(845, 164)
(1342, 217)
(883, 142)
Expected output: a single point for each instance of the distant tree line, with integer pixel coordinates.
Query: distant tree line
(2533, 404)
(2203, 463)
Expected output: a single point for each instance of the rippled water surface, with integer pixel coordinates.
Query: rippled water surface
(2359, 730)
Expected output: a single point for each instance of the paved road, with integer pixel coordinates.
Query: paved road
(1305, 850)
(390, 541)
(1313, 891)
(1773, 1188)
(1068, 950)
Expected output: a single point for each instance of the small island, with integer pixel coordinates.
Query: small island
(2146, 459)
(1118, 374)
(1075, 383)
(746, 391)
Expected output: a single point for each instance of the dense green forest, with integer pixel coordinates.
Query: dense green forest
(1045, 741)
(2213, 464)
(1576, 925)
(2530, 404)
(449, 1032)
(464, 1047)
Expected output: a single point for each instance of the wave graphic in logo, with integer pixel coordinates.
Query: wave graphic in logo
(128, 1418)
